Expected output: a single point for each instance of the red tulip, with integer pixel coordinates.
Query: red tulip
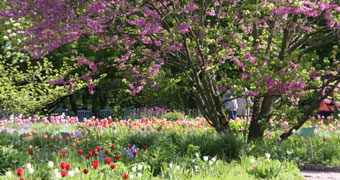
(125, 176)
(93, 151)
(98, 148)
(95, 161)
(90, 153)
(112, 166)
(108, 160)
(112, 147)
(130, 146)
(88, 157)
(134, 153)
(63, 153)
(95, 165)
(19, 172)
(80, 151)
(30, 152)
(145, 147)
(63, 173)
(85, 171)
(106, 151)
(34, 133)
(67, 166)
(62, 165)
(117, 156)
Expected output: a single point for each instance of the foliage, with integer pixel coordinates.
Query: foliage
(173, 116)
(11, 158)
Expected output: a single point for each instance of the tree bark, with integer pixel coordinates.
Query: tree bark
(73, 105)
(256, 131)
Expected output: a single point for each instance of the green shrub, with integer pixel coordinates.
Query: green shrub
(212, 144)
(11, 158)
(173, 116)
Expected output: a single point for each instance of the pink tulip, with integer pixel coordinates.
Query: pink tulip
(270, 134)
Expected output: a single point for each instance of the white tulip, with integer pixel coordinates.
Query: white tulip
(293, 131)
(170, 165)
(139, 174)
(56, 171)
(9, 173)
(252, 160)
(50, 164)
(58, 175)
(76, 170)
(205, 158)
(71, 173)
(214, 159)
(29, 165)
(140, 167)
(267, 155)
(131, 176)
(134, 168)
(31, 170)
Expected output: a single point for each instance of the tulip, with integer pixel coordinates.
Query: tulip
(71, 173)
(270, 134)
(45, 136)
(62, 165)
(117, 156)
(67, 166)
(63, 173)
(125, 176)
(19, 172)
(112, 147)
(85, 171)
(30, 152)
(95, 165)
(106, 151)
(112, 166)
(80, 151)
(50, 164)
(108, 160)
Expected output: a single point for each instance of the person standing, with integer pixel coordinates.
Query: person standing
(230, 105)
(244, 106)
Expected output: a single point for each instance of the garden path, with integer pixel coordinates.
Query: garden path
(320, 175)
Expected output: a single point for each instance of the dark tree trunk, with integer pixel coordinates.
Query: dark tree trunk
(103, 101)
(260, 116)
(209, 101)
(84, 98)
(73, 105)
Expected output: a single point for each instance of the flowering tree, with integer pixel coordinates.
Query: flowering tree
(267, 47)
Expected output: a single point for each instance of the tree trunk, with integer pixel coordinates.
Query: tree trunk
(73, 105)
(259, 117)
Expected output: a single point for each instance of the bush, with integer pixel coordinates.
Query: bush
(11, 159)
(173, 116)
(212, 144)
